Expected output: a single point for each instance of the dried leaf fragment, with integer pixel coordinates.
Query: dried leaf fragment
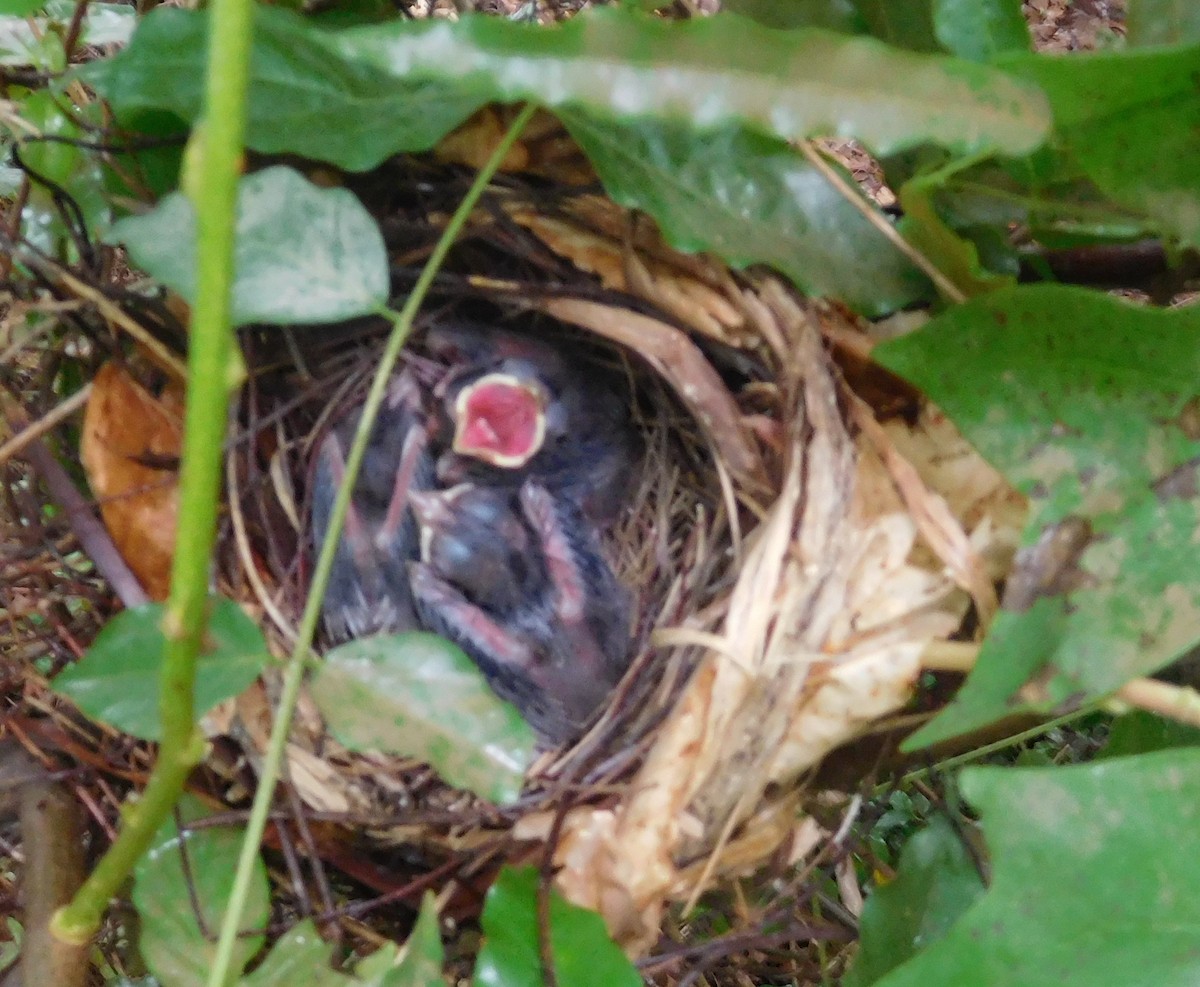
(130, 447)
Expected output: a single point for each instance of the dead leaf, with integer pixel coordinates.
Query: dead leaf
(544, 148)
(130, 452)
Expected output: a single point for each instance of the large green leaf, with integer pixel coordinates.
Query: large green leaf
(304, 97)
(1132, 121)
(418, 695)
(1162, 22)
(1089, 405)
(713, 71)
(176, 877)
(117, 680)
(583, 953)
(1094, 885)
(938, 881)
(751, 200)
(354, 96)
(304, 254)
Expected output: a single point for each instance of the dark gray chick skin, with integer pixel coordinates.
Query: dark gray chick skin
(584, 451)
(368, 590)
(518, 581)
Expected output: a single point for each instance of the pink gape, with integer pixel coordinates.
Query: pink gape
(500, 420)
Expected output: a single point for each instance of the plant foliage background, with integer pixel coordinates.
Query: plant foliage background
(1004, 163)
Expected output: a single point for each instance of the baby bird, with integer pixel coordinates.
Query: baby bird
(368, 588)
(518, 581)
(520, 407)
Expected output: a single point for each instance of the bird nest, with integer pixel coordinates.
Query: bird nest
(802, 534)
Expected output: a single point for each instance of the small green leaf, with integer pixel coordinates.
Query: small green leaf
(749, 199)
(1094, 879)
(1162, 22)
(421, 965)
(300, 956)
(583, 953)
(980, 29)
(937, 882)
(177, 948)
(117, 681)
(418, 695)
(954, 255)
(303, 255)
(65, 166)
(1086, 403)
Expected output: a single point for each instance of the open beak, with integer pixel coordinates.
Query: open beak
(501, 420)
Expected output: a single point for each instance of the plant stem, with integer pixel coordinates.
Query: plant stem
(220, 973)
(214, 193)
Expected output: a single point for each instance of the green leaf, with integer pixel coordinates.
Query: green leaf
(1095, 872)
(117, 680)
(1162, 22)
(1140, 732)
(712, 71)
(1132, 122)
(65, 167)
(177, 949)
(417, 694)
(300, 956)
(954, 255)
(936, 883)
(1088, 405)
(354, 96)
(304, 97)
(980, 29)
(20, 8)
(749, 199)
(901, 23)
(304, 254)
(833, 15)
(39, 44)
(103, 23)
(583, 953)
(421, 965)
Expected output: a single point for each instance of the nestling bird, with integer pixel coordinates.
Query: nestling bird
(368, 588)
(520, 407)
(518, 580)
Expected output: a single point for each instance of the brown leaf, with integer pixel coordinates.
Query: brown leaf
(544, 148)
(130, 451)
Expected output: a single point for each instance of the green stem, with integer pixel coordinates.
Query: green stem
(215, 184)
(220, 973)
